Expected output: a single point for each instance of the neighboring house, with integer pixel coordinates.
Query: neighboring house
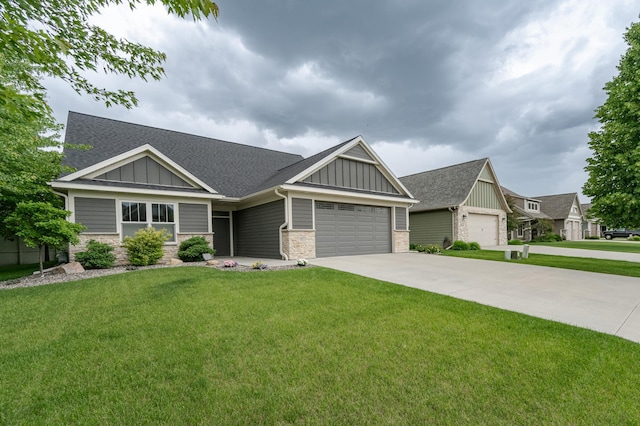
(15, 252)
(460, 202)
(528, 211)
(245, 200)
(591, 226)
(566, 213)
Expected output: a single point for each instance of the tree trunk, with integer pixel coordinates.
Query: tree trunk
(41, 257)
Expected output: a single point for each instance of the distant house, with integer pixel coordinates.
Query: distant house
(591, 226)
(459, 202)
(566, 212)
(528, 211)
(245, 200)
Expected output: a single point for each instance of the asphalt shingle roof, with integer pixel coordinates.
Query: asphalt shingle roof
(230, 168)
(557, 206)
(445, 187)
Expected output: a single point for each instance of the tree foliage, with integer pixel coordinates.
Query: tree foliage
(28, 144)
(614, 168)
(56, 38)
(512, 218)
(41, 224)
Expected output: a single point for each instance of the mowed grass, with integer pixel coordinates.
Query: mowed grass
(604, 245)
(12, 272)
(604, 266)
(312, 346)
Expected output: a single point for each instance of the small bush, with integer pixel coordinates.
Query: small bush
(432, 249)
(474, 246)
(592, 237)
(145, 248)
(259, 265)
(460, 245)
(302, 262)
(515, 242)
(97, 256)
(412, 246)
(547, 238)
(634, 238)
(420, 248)
(191, 250)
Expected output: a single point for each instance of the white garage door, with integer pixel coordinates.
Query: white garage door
(348, 229)
(483, 229)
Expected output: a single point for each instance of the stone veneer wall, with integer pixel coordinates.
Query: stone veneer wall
(463, 228)
(401, 241)
(299, 244)
(170, 250)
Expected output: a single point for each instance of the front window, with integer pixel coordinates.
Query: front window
(135, 216)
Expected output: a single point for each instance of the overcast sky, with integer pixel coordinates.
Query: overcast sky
(426, 83)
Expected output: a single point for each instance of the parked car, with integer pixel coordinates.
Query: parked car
(620, 233)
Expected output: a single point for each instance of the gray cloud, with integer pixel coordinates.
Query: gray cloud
(417, 73)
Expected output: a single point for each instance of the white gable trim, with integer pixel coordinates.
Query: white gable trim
(132, 155)
(380, 165)
(496, 186)
(127, 190)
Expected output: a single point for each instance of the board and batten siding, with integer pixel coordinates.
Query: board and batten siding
(484, 195)
(144, 170)
(97, 214)
(193, 217)
(401, 218)
(302, 213)
(352, 174)
(430, 227)
(257, 230)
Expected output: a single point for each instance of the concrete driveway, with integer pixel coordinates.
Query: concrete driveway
(606, 303)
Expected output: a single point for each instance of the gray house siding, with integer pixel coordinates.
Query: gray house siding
(358, 152)
(484, 195)
(430, 227)
(257, 230)
(193, 217)
(144, 170)
(401, 218)
(302, 213)
(352, 174)
(97, 214)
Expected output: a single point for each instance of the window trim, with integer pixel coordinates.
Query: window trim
(149, 222)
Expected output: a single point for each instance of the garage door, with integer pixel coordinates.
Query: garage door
(483, 229)
(348, 229)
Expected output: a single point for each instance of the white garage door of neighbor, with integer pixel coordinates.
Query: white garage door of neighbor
(348, 229)
(483, 229)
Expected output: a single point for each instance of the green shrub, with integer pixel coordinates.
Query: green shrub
(634, 238)
(420, 248)
(97, 256)
(145, 248)
(515, 242)
(547, 238)
(191, 250)
(474, 246)
(432, 249)
(460, 245)
(592, 237)
(412, 246)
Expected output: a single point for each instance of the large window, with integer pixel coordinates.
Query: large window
(137, 215)
(533, 206)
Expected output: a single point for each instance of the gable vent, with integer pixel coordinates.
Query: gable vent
(346, 207)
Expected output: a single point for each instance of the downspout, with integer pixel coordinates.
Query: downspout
(66, 198)
(285, 224)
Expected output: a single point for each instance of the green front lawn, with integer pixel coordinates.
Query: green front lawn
(605, 266)
(604, 245)
(314, 346)
(12, 272)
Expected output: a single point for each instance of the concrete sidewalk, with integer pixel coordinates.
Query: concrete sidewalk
(601, 302)
(562, 251)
